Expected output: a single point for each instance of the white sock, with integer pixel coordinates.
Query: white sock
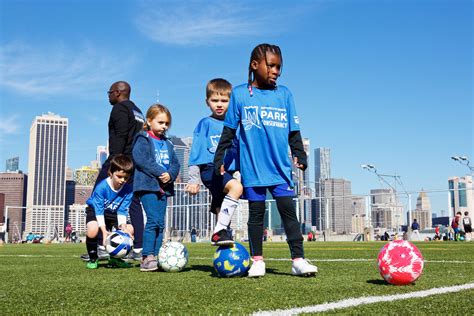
(225, 215)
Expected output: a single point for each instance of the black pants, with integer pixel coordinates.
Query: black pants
(135, 210)
(287, 212)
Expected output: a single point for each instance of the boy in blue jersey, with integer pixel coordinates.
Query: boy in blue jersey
(108, 208)
(225, 189)
(268, 126)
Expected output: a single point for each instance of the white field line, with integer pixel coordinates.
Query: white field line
(351, 302)
(266, 259)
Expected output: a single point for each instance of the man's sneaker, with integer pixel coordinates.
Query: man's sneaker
(101, 253)
(222, 238)
(92, 264)
(149, 264)
(303, 267)
(133, 256)
(257, 269)
(118, 263)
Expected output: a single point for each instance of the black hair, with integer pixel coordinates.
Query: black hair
(259, 53)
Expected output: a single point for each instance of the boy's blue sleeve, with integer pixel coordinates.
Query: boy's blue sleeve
(125, 205)
(198, 147)
(98, 200)
(144, 160)
(232, 117)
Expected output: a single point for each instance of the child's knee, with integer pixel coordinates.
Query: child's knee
(234, 189)
(92, 229)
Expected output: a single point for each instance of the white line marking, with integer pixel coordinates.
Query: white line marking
(351, 302)
(266, 259)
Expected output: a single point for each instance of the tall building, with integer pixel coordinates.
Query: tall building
(47, 175)
(182, 153)
(461, 196)
(322, 163)
(386, 211)
(422, 213)
(335, 210)
(12, 164)
(102, 154)
(13, 185)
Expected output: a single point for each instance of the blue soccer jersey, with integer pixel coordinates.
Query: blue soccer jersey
(162, 156)
(106, 199)
(206, 137)
(265, 119)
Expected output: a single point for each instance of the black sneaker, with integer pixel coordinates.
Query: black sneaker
(222, 238)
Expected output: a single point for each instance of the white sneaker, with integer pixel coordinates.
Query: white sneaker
(304, 268)
(257, 269)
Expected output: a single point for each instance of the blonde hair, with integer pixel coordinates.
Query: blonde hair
(153, 111)
(219, 86)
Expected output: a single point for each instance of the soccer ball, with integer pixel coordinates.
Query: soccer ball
(400, 262)
(118, 244)
(231, 261)
(173, 256)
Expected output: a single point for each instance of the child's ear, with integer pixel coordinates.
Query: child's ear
(254, 64)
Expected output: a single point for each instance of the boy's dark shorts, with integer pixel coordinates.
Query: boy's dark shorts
(468, 228)
(111, 219)
(215, 183)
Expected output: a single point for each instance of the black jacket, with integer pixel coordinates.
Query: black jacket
(126, 120)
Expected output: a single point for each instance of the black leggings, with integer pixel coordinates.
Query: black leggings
(287, 212)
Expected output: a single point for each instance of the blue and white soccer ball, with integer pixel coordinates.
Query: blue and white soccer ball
(173, 256)
(231, 261)
(118, 244)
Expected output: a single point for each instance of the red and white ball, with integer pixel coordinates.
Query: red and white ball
(400, 262)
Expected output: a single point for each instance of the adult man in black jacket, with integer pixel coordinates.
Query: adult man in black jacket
(125, 121)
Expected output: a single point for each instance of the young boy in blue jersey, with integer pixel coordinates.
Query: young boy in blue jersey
(265, 113)
(108, 208)
(225, 190)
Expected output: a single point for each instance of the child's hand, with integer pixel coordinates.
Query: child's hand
(165, 177)
(192, 188)
(105, 234)
(222, 170)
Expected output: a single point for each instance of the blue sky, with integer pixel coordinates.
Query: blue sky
(382, 82)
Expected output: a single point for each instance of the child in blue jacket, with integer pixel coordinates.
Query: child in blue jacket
(156, 168)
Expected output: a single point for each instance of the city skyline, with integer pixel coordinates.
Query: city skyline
(383, 83)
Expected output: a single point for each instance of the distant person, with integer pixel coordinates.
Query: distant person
(193, 234)
(415, 230)
(225, 189)
(107, 208)
(3, 227)
(68, 231)
(263, 116)
(455, 226)
(310, 236)
(467, 223)
(125, 121)
(156, 169)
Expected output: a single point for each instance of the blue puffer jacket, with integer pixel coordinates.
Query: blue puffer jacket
(147, 170)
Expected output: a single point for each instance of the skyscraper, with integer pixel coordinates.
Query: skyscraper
(47, 175)
(422, 213)
(322, 163)
(461, 195)
(12, 164)
(102, 155)
(385, 208)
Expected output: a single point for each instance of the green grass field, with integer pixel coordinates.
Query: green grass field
(37, 279)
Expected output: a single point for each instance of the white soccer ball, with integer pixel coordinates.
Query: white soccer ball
(118, 244)
(173, 256)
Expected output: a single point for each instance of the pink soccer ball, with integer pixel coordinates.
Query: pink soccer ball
(400, 262)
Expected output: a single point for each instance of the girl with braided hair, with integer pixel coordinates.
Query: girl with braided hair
(266, 115)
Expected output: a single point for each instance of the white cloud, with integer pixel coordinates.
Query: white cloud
(56, 69)
(9, 125)
(202, 23)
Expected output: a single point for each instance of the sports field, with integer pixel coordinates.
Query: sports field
(38, 278)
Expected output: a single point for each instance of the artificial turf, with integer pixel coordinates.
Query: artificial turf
(50, 278)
